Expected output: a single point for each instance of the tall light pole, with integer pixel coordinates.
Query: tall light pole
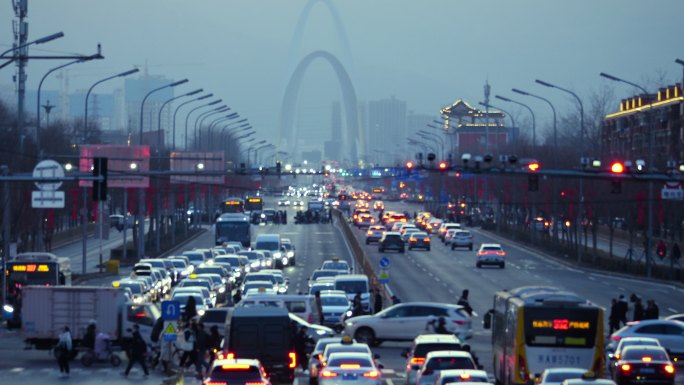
(142, 104)
(200, 119)
(487, 105)
(42, 40)
(187, 117)
(40, 86)
(580, 201)
(534, 124)
(210, 134)
(207, 96)
(256, 152)
(438, 137)
(191, 93)
(651, 166)
(253, 146)
(85, 117)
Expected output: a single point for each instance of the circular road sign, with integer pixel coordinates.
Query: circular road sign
(384, 263)
(48, 169)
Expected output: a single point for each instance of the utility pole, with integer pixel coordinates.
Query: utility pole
(20, 39)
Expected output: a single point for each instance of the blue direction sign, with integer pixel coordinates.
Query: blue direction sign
(170, 310)
(384, 263)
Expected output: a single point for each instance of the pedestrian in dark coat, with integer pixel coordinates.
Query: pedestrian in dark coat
(63, 351)
(652, 311)
(300, 341)
(138, 350)
(190, 309)
(463, 301)
(377, 302)
(201, 348)
(613, 320)
(676, 253)
(638, 310)
(621, 309)
(214, 342)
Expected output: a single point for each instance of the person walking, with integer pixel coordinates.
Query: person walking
(377, 302)
(675, 253)
(319, 307)
(463, 301)
(187, 346)
(301, 339)
(621, 308)
(138, 351)
(190, 309)
(652, 311)
(357, 306)
(201, 349)
(638, 310)
(613, 320)
(214, 342)
(63, 351)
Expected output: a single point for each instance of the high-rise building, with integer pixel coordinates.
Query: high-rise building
(386, 130)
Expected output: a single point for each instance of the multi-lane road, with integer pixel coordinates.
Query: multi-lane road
(438, 275)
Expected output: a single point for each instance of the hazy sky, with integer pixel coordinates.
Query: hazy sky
(427, 52)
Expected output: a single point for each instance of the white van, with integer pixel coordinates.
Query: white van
(353, 284)
(271, 242)
(302, 305)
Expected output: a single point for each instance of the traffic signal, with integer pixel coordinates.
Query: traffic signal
(443, 165)
(616, 168)
(100, 187)
(409, 167)
(534, 166)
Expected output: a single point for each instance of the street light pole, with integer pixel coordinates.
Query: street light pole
(580, 203)
(534, 124)
(200, 120)
(173, 146)
(187, 117)
(85, 118)
(142, 104)
(22, 46)
(212, 124)
(651, 166)
(159, 130)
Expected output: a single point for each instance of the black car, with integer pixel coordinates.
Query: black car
(644, 364)
(391, 241)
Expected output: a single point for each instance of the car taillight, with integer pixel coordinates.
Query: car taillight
(669, 369)
(615, 338)
(465, 376)
(646, 359)
(293, 360)
(625, 367)
(413, 240)
(215, 383)
(255, 383)
(426, 240)
(328, 374)
(350, 366)
(372, 374)
(500, 253)
(417, 360)
(458, 322)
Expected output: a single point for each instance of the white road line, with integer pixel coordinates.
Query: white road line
(389, 381)
(437, 279)
(672, 310)
(592, 278)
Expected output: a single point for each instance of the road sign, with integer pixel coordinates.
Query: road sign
(48, 169)
(672, 191)
(384, 263)
(384, 276)
(47, 199)
(170, 310)
(170, 333)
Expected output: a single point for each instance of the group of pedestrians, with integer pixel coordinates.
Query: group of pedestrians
(619, 310)
(198, 347)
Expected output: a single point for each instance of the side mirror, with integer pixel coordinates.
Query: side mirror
(487, 320)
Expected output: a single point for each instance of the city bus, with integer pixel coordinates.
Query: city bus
(233, 227)
(254, 204)
(539, 327)
(233, 205)
(44, 269)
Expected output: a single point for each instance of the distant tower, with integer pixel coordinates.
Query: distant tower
(487, 88)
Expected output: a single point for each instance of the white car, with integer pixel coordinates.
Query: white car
(554, 376)
(669, 333)
(334, 303)
(491, 254)
(350, 368)
(317, 354)
(462, 238)
(455, 376)
(443, 360)
(400, 323)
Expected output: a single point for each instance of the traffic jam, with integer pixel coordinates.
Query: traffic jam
(239, 322)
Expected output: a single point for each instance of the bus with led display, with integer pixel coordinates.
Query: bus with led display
(539, 327)
(37, 269)
(254, 204)
(233, 205)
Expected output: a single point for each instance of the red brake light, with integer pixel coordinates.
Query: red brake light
(350, 366)
(625, 367)
(646, 359)
(426, 240)
(328, 374)
(669, 369)
(418, 360)
(465, 376)
(615, 338)
(293, 360)
(459, 322)
(255, 383)
(372, 374)
(215, 383)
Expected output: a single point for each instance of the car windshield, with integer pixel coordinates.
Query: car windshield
(637, 353)
(351, 287)
(561, 376)
(352, 361)
(334, 301)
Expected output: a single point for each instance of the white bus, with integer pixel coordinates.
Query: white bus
(539, 327)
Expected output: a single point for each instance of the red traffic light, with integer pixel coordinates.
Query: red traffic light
(617, 168)
(533, 166)
(409, 164)
(442, 165)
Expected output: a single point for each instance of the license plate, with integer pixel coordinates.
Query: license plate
(647, 370)
(349, 376)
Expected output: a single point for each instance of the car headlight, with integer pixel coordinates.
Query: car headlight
(255, 264)
(277, 254)
(321, 332)
(290, 254)
(282, 290)
(349, 313)
(200, 312)
(284, 261)
(269, 262)
(263, 216)
(8, 308)
(222, 290)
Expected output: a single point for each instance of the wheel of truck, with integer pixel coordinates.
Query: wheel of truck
(87, 358)
(115, 359)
